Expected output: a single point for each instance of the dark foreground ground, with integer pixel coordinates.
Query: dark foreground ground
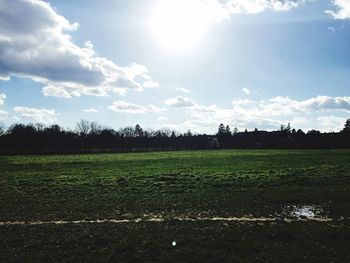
(172, 186)
(196, 242)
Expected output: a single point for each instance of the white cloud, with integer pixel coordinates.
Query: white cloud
(246, 91)
(181, 89)
(180, 102)
(56, 91)
(146, 77)
(91, 110)
(152, 108)
(3, 115)
(135, 70)
(35, 44)
(2, 98)
(277, 106)
(257, 6)
(217, 10)
(331, 28)
(268, 114)
(299, 121)
(45, 116)
(343, 9)
(319, 103)
(199, 125)
(331, 123)
(150, 84)
(123, 106)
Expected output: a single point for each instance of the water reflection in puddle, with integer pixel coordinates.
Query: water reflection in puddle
(305, 211)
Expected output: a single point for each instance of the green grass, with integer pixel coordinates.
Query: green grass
(217, 183)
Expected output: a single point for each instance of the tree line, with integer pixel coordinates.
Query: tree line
(90, 137)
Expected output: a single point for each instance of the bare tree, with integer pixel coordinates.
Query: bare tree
(83, 127)
(166, 132)
(39, 127)
(128, 131)
(95, 128)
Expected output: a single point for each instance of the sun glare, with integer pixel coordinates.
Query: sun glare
(179, 24)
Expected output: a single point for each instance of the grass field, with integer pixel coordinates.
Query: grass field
(194, 185)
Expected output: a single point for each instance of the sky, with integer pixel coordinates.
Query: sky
(176, 64)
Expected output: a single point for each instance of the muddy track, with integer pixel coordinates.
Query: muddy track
(176, 218)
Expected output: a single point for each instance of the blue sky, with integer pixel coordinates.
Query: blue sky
(177, 64)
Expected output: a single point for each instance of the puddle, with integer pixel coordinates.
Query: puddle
(308, 211)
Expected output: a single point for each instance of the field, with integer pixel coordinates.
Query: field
(218, 206)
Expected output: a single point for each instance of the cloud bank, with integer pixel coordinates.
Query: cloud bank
(257, 6)
(343, 9)
(45, 116)
(35, 43)
(123, 106)
(266, 114)
(180, 102)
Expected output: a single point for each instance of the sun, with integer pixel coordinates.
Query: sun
(179, 24)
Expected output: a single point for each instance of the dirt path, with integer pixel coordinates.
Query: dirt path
(162, 219)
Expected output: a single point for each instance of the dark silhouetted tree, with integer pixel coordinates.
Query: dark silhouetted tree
(188, 133)
(221, 130)
(347, 126)
(138, 131)
(90, 137)
(228, 130)
(288, 128)
(173, 134)
(314, 132)
(21, 130)
(300, 132)
(128, 131)
(224, 135)
(2, 128)
(53, 129)
(221, 133)
(285, 129)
